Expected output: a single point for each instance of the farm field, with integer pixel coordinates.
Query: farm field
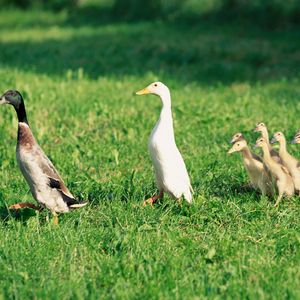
(78, 79)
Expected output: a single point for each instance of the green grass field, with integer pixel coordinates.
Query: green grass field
(78, 78)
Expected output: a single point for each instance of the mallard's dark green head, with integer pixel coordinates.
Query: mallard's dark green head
(15, 99)
(12, 97)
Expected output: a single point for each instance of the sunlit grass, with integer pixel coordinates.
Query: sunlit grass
(78, 83)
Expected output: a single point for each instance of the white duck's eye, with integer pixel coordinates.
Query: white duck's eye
(155, 84)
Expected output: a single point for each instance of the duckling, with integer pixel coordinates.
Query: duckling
(45, 183)
(261, 127)
(290, 162)
(284, 181)
(237, 137)
(170, 170)
(259, 176)
(296, 139)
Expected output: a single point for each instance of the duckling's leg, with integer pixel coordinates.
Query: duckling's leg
(153, 199)
(55, 218)
(23, 205)
(248, 186)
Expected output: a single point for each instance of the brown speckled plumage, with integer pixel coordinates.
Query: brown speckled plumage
(25, 136)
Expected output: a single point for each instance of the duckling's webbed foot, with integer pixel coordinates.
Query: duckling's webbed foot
(247, 186)
(24, 205)
(153, 199)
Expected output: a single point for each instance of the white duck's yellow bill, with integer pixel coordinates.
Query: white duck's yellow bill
(143, 92)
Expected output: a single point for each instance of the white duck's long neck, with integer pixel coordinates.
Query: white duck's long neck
(165, 121)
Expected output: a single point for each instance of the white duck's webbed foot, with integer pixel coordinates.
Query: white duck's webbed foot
(153, 199)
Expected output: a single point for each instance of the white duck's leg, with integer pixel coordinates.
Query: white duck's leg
(153, 199)
(24, 205)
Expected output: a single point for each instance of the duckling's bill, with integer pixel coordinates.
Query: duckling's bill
(231, 150)
(143, 92)
(296, 140)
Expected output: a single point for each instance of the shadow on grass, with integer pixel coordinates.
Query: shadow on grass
(22, 215)
(194, 50)
(221, 190)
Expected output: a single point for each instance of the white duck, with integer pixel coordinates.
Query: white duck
(170, 170)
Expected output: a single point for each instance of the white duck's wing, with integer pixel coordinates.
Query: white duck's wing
(171, 170)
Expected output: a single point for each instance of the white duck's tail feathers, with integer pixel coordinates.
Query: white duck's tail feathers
(188, 196)
(78, 205)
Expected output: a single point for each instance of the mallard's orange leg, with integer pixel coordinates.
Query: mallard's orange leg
(24, 205)
(153, 199)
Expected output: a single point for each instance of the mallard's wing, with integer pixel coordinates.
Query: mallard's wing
(49, 170)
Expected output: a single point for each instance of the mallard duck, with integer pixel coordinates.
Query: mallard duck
(296, 139)
(259, 176)
(283, 178)
(170, 170)
(289, 161)
(261, 127)
(45, 183)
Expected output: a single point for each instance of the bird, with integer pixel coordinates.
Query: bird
(296, 139)
(258, 173)
(170, 171)
(284, 181)
(237, 137)
(46, 185)
(261, 127)
(289, 161)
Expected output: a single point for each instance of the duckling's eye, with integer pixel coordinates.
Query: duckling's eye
(238, 144)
